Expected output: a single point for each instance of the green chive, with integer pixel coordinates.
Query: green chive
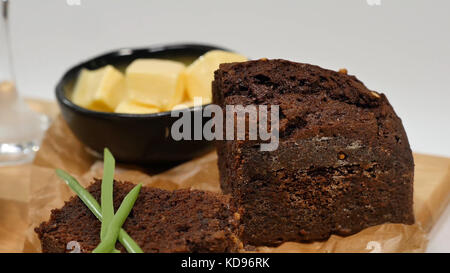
(82, 193)
(107, 245)
(107, 191)
(130, 245)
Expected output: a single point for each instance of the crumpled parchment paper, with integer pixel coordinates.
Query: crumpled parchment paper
(60, 149)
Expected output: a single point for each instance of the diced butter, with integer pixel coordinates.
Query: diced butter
(155, 82)
(190, 103)
(183, 105)
(200, 74)
(101, 89)
(132, 107)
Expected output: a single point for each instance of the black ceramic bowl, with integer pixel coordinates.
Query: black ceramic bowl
(132, 138)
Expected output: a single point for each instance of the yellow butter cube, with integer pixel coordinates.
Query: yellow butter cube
(191, 103)
(200, 74)
(132, 107)
(101, 89)
(183, 105)
(155, 82)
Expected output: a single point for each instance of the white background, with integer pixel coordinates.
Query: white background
(400, 48)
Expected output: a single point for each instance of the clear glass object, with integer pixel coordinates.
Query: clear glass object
(21, 129)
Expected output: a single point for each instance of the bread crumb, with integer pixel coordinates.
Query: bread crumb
(343, 71)
(237, 216)
(375, 94)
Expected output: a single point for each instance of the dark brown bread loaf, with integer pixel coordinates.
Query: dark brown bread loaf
(343, 161)
(161, 221)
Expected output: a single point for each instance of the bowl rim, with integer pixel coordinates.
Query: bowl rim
(63, 100)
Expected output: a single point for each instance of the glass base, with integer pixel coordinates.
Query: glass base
(17, 153)
(24, 150)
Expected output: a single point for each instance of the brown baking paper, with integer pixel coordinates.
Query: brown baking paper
(60, 149)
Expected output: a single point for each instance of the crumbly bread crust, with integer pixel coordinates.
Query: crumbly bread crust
(161, 221)
(343, 162)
